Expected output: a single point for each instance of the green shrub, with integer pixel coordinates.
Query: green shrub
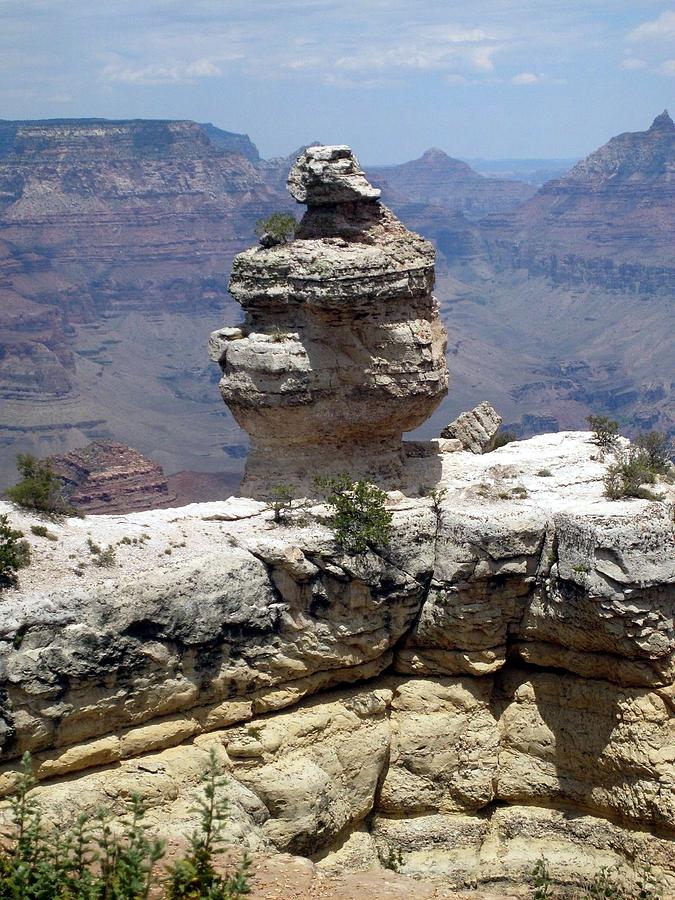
(104, 559)
(194, 876)
(359, 517)
(628, 473)
(14, 552)
(281, 226)
(605, 431)
(503, 438)
(93, 860)
(43, 531)
(656, 449)
(39, 489)
(541, 880)
(281, 503)
(608, 883)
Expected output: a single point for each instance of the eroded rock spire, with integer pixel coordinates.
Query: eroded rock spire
(342, 348)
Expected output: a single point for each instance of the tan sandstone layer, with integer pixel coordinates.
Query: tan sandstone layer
(509, 655)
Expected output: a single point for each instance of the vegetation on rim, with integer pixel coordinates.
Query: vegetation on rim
(14, 552)
(40, 489)
(93, 860)
(359, 517)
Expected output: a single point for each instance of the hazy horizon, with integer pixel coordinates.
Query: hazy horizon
(508, 79)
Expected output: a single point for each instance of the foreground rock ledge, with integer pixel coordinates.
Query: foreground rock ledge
(498, 683)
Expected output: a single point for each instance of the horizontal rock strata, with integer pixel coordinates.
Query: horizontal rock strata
(510, 657)
(342, 347)
(107, 477)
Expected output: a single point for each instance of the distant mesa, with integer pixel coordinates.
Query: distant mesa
(107, 477)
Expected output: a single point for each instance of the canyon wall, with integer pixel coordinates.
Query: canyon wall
(495, 684)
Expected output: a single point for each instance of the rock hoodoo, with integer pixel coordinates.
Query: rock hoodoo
(342, 348)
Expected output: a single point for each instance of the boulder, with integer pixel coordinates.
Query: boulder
(476, 429)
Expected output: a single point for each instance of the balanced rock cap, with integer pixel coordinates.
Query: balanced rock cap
(327, 175)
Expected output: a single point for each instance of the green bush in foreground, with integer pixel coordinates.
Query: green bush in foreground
(608, 883)
(94, 861)
(40, 488)
(14, 552)
(359, 517)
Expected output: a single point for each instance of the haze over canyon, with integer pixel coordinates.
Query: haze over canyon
(117, 237)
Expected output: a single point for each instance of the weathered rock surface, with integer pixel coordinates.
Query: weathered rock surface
(495, 685)
(117, 238)
(476, 429)
(342, 349)
(106, 477)
(327, 175)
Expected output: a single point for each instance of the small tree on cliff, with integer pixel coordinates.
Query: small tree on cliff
(14, 552)
(277, 229)
(359, 517)
(40, 488)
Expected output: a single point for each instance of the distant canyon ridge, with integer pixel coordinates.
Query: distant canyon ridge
(117, 237)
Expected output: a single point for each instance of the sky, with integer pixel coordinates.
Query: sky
(486, 78)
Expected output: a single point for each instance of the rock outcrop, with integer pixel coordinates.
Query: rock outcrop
(476, 430)
(494, 686)
(342, 348)
(105, 477)
(439, 180)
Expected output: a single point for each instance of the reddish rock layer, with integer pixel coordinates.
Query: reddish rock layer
(105, 477)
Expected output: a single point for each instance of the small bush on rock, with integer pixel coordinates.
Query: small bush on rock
(95, 861)
(281, 503)
(39, 489)
(628, 474)
(277, 229)
(656, 449)
(608, 883)
(359, 517)
(605, 431)
(43, 531)
(14, 552)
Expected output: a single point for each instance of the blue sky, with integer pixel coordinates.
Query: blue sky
(491, 78)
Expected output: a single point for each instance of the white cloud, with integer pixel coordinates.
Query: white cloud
(668, 68)
(633, 63)
(174, 73)
(660, 28)
(481, 59)
(524, 78)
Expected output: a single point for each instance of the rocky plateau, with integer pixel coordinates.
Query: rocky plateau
(493, 686)
(489, 683)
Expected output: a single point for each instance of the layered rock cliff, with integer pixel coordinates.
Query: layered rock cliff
(495, 685)
(342, 348)
(105, 477)
(608, 222)
(114, 237)
(436, 179)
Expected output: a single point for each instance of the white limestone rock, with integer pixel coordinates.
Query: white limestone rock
(476, 430)
(329, 174)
